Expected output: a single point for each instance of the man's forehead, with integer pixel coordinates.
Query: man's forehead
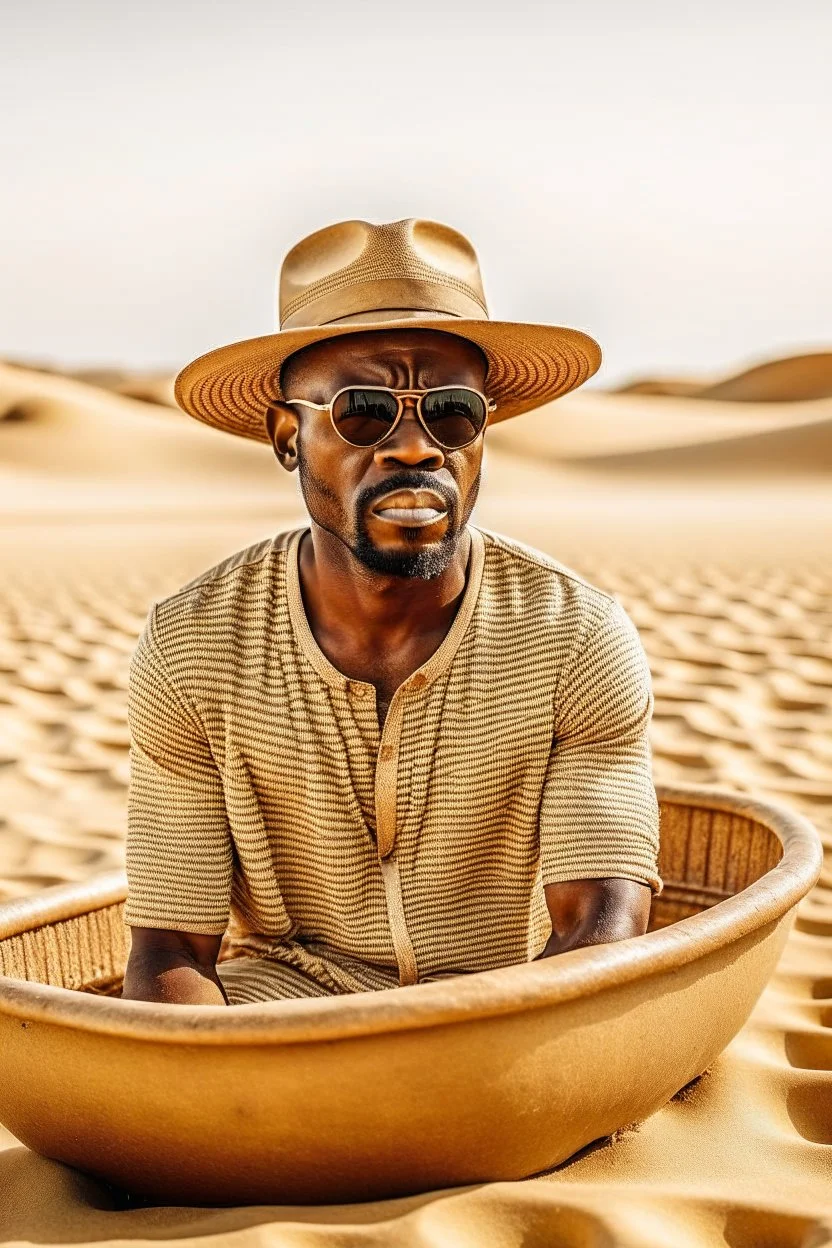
(382, 351)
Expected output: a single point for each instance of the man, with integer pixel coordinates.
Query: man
(389, 747)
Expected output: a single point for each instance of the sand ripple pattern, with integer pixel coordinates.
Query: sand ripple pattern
(742, 667)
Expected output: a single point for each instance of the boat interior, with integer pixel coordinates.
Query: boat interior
(74, 936)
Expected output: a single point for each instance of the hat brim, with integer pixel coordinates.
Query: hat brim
(232, 387)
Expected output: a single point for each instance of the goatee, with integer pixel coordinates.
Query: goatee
(423, 563)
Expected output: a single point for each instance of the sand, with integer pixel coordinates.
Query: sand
(108, 502)
(793, 378)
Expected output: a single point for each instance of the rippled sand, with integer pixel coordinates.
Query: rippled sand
(739, 649)
(732, 592)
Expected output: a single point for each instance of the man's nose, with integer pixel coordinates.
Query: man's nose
(409, 444)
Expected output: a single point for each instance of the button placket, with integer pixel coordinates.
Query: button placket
(387, 769)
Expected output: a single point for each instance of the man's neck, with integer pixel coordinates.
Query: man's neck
(348, 604)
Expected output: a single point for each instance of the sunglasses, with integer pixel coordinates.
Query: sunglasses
(453, 416)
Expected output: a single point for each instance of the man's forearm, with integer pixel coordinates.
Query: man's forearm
(595, 912)
(174, 979)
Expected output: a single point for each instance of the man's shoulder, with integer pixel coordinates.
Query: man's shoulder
(536, 576)
(549, 618)
(214, 596)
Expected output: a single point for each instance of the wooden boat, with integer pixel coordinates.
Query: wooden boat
(497, 1075)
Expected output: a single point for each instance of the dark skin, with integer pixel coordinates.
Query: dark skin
(377, 625)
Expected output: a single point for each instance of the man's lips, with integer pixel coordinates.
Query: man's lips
(413, 509)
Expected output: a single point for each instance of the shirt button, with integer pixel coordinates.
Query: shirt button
(355, 690)
(386, 753)
(418, 682)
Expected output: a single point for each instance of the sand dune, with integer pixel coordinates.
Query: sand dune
(149, 387)
(612, 430)
(804, 448)
(793, 379)
(91, 444)
(674, 387)
(798, 378)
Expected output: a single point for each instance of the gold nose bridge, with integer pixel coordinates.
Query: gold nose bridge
(415, 397)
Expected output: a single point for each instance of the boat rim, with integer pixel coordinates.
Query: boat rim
(443, 1002)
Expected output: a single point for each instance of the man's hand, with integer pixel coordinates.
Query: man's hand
(175, 968)
(595, 912)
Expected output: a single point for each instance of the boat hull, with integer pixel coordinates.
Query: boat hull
(492, 1076)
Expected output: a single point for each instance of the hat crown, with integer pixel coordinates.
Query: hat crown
(357, 271)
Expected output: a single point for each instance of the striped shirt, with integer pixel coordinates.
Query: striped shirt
(266, 804)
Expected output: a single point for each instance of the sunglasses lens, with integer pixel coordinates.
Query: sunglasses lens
(454, 416)
(364, 417)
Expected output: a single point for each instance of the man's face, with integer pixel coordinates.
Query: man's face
(366, 496)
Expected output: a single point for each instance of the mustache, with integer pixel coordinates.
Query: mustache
(408, 481)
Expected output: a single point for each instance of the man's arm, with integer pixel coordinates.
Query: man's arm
(599, 818)
(179, 847)
(177, 968)
(595, 912)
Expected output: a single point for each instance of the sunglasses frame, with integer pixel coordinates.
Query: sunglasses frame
(399, 396)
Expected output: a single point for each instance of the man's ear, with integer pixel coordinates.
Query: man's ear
(283, 426)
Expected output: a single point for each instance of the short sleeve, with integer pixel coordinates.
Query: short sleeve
(599, 815)
(179, 849)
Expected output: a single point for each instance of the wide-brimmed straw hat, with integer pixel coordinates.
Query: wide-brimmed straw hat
(354, 276)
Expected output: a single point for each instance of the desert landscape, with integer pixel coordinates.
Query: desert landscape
(704, 505)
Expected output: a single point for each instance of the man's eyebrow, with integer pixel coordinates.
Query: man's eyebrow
(377, 369)
(381, 359)
(431, 373)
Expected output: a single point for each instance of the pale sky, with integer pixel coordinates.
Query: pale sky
(656, 174)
